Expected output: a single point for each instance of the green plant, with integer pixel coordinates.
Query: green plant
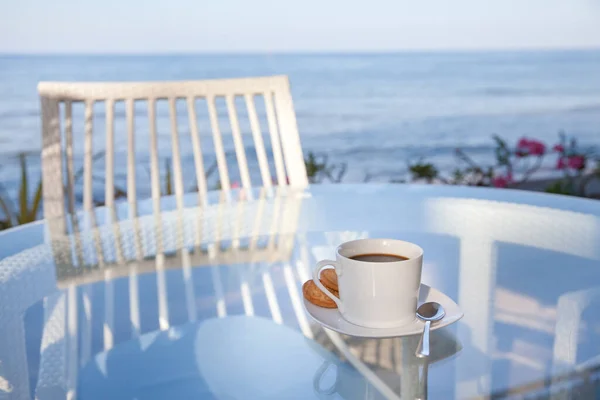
(313, 167)
(168, 179)
(560, 187)
(423, 170)
(318, 168)
(28, 209)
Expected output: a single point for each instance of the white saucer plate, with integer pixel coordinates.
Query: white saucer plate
(332, 319)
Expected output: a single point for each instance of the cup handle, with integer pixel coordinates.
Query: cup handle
(317, 272)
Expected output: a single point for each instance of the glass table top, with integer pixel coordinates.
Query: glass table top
(205, 302)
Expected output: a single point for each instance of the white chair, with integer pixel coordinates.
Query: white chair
(59, 139)
(108, 238)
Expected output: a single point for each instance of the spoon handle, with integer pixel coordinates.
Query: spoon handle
(423, 347)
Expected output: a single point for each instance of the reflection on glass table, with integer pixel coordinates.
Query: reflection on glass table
(111, 290)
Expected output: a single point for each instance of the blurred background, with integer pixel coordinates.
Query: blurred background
(378, 86)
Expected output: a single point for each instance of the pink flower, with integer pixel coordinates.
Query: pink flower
(522, 148)
(576, 162)
(527, 147)
(559, 148)
(561, 164)
(501, 181)
(235, 185)
(537, 148)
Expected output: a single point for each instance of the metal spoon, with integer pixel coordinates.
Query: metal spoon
(428, 312)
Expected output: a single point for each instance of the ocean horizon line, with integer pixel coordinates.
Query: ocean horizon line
(360, 52)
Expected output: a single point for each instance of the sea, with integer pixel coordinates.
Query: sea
(373, 113)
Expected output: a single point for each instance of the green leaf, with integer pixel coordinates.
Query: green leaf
(7, 223)
(500, 143)
(37, 201)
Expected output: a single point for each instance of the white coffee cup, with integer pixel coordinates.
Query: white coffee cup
(376, 294)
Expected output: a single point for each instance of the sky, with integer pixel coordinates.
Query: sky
(176, 26)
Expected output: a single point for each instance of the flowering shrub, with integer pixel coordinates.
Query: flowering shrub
(529, 147)
(503, 174)
(515, 166)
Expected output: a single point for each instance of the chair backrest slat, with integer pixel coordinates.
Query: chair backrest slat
(131, 178)
(259, 145)
(154, 171)
(88, 201)
(218, 143)
(237, 142)
(284, 155)
(290, 141)
(109, 187)
(176, 161)
(274, 135)
(198, 159)
(155, 179)
(69, 155)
